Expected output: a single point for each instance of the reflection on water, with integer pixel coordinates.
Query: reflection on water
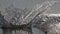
(10, 31)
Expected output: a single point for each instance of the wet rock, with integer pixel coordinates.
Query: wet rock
(37, 31)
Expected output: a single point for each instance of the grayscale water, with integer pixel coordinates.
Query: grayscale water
(21, 31)
(10, 31)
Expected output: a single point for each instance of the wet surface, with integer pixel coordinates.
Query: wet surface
(15, 31)
(33, 30)
(37, 31)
